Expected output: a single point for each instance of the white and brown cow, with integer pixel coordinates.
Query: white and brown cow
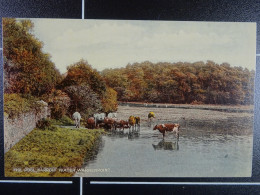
(163, 128)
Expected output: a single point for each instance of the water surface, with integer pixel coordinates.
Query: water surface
(204, 149)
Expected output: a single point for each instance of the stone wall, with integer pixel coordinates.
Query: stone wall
(15, 129)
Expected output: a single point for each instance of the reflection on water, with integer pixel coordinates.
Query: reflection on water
(166, 145)
(134, 134)
(204, 149)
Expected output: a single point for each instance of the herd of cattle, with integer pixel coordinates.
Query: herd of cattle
(111, 122)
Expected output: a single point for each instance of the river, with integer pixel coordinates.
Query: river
(206, 148)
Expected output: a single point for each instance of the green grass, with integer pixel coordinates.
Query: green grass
(53, 148)
(65, 121)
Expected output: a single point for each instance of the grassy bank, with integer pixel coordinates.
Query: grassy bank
(61, 149)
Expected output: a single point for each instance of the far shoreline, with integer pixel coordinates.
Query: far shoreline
(214, 107)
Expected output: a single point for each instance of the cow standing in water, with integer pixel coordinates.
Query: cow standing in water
(151, 117)
(137, 122)
(109, 123)
(112, 115)
(131, 122)
(91, 123)
(76, 116)
(163, 128)
(99, 118)
(121, 124)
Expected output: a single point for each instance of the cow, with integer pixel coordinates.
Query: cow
(109, 123)
(151, 117)
(99, 118)
(168, 127)
(131, 122)
(137, 122)
(76, 116)
(121, 124)
(112, 115)
(91, 122)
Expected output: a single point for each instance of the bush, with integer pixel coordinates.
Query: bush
(84, 100)
(57, 111)
(15, 104)
(53, 128)
(43, 124)
(59, 102)
(65, 120)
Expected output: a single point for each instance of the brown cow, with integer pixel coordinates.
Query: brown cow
(91, 122)
(109, 123)
(151, 117)
(168, 127)
(131, 122)
(137, 121)
(122, 124)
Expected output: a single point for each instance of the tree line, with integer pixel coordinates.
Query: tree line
(182, 83)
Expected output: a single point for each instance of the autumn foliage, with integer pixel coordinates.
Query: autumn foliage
(186, 83)
(81, 73)
(88, 90)
(27, 68)
(29, 72)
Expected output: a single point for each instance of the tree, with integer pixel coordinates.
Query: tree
(116, 79)
(83, 100)
(198, 82)
(109, 101)
(29, 70)
(82, 78)
(59, 103)
(81, 73)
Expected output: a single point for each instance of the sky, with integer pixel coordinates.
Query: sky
(115, 43)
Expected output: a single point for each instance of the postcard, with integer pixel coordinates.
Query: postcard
(128, 98)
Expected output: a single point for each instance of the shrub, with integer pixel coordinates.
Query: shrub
(59, 102)
(16, 104)
(83, 99)
(43, 124)
(65, 120)
(53, 128)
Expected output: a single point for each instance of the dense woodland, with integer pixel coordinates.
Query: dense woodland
(186, 83)
(30, 74)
